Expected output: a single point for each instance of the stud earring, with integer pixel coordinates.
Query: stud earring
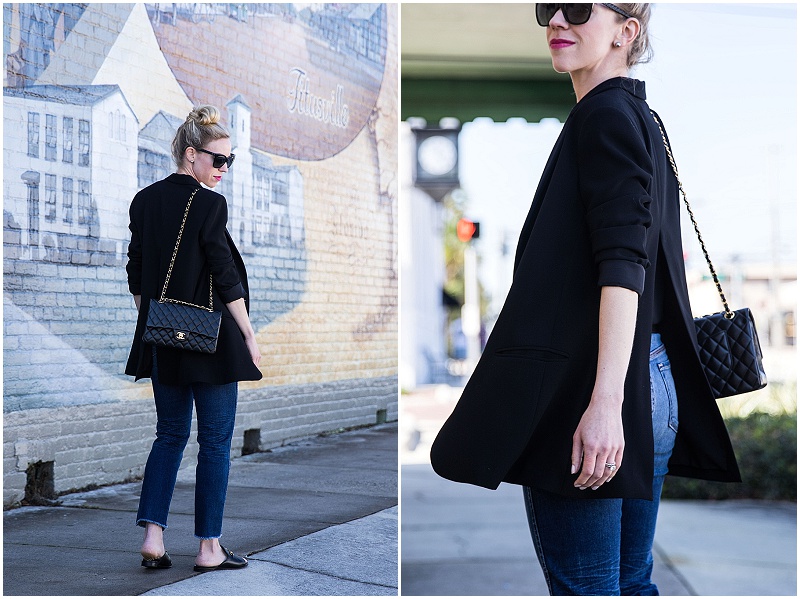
(618, 44)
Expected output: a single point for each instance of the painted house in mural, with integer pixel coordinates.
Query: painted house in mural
(61, 147)
(60, 143)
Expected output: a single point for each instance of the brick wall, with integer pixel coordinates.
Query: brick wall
(314, 218)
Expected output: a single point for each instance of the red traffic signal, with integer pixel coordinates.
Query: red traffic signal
(467, 230)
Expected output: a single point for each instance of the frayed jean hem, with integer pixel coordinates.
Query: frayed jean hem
(206, 538)
(143, 522)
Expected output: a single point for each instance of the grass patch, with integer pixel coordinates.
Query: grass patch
(766, 449)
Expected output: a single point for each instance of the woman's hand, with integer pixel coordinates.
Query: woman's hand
(598, 440)
(239, 312)
(254, 349)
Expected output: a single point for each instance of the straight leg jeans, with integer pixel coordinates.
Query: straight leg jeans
(604, 546)
(216, 411)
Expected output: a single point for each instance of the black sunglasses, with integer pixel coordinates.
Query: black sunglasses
(219, 159)
(574, 14)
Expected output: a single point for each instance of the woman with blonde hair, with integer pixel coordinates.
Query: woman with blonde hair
(595, 348)
(181, 378)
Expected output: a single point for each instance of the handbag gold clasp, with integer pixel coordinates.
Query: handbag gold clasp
(180, 335)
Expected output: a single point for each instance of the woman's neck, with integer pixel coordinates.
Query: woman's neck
(584, 81)
(182, 170)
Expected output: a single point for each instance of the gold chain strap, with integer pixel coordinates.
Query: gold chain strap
(164, 297)
(728, 314)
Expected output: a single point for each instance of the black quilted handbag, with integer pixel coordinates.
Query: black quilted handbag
(730, 352)
(173, 323)
(727, 341)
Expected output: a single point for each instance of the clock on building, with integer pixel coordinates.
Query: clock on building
(437, 161)
(437, 155)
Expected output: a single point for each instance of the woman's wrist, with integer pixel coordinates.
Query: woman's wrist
(608, 397)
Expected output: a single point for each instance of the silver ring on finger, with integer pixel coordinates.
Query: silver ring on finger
(611, 466)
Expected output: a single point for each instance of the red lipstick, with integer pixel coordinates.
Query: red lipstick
(558, 43)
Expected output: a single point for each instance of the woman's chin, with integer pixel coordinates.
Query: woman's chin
(560, 66)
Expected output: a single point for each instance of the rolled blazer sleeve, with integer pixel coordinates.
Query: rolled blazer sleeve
(615, 171)
(134, 266)
(215, 246)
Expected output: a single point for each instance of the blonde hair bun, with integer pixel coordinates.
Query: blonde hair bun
(205, 115)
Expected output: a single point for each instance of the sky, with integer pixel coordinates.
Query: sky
(724, 80)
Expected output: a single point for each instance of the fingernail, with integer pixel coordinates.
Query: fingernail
(573, 469)
(595, 488)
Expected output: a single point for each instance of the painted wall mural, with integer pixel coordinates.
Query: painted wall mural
(331, 81)
(92, 96)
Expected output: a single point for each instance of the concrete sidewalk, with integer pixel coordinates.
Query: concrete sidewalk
(318, 517)
(464, 540)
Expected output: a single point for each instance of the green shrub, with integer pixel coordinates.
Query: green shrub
(766, 449)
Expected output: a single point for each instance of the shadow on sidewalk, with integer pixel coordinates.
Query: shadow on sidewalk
(90, 544)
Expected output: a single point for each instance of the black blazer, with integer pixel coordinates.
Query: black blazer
(605, 213)
(206, 248)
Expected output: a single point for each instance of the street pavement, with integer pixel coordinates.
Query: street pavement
(464, 540)
(317, 517)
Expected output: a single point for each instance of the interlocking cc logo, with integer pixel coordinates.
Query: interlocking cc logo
(180, 335)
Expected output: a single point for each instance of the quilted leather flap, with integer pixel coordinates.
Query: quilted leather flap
(177, 317)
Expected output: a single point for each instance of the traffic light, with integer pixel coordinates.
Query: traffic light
(467, 230)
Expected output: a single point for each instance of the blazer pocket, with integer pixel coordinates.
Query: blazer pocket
(540, 354)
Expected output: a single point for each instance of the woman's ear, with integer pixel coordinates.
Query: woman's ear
(629, 32)
(190, 154)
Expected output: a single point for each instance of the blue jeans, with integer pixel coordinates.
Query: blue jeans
(604, 546)
(216, 411)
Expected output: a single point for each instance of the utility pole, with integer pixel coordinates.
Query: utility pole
(467, 231)
(471, 310)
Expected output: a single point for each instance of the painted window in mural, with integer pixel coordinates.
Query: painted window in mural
(31, 179)
(84, 143)
(50, 138)
(261, 188)
(50, 197)
(33, 134)
(84, 202)
(116, 125)
(67, 199)
(66, 155)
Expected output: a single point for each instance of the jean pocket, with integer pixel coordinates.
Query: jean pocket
(671, 400)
